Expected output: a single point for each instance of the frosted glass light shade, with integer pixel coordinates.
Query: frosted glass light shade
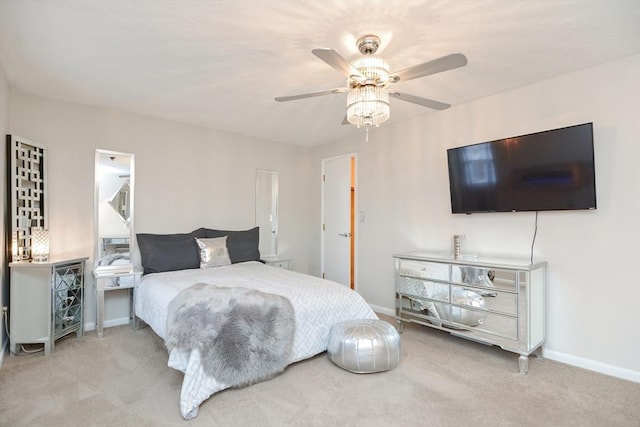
(368, 106)
(39, 245)
(368, 101)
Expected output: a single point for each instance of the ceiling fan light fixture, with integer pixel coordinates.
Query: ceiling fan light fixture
(369, 82)
(374, 69)
(368, 99)
(368, 105)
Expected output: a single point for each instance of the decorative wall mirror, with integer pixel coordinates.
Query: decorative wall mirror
(113, 207)
(27, 199)
(267, 211)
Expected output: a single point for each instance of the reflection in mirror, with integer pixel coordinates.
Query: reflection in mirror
(267, 211)
(113, 210)
(120, 202)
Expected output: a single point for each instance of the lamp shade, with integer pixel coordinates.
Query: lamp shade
(39, 245)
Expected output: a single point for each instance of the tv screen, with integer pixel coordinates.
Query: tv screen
(551, 170)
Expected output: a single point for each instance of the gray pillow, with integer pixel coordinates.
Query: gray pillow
(242, 245)
(169, 252)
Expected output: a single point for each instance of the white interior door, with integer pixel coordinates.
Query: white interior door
(336, 219)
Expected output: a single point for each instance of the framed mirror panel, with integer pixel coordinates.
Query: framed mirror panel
(267, 211)
(113, 207)
(27, 198)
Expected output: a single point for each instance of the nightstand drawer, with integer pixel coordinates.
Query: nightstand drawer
(279, 263)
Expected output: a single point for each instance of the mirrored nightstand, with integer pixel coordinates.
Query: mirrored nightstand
(47, 302)
(112, 280)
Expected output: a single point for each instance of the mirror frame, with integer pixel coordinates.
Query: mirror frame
(273, 246)
(99, 155)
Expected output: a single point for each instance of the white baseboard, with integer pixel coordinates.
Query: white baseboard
(580, 362)
(91, 326)
(383, 310)
(117, 322)
(592, 365)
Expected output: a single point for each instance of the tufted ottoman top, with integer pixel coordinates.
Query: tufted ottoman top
(364, 346)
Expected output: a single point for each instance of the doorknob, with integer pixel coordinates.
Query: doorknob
(344, 234)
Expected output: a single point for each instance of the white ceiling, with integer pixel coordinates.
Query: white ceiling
(219, 64)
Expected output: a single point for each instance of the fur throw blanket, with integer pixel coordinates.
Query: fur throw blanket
(244, 336)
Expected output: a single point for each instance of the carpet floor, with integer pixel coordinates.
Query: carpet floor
(123, 380)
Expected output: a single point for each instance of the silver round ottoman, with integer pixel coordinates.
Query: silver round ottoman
(364, 346)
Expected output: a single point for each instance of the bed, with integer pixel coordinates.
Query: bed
(317, 304)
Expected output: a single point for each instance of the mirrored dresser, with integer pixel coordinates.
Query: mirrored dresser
(489, 301)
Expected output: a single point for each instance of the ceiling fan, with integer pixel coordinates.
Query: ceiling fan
(369, 82)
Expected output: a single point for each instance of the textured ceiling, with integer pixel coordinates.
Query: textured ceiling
(219, 64)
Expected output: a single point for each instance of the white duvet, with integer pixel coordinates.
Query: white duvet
(319, 304)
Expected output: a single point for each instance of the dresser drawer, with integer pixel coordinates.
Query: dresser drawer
(505, 280)
(495, 301)
(493, 324)
(421, 288)
(422, 269)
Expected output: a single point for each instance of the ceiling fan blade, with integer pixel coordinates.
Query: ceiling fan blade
(445, 63)
(430, 103)
(338, 62)
(311, 94)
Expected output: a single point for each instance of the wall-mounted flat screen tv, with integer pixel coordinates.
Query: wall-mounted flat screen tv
(551, 170)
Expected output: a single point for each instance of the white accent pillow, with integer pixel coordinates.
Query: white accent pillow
(213, 252)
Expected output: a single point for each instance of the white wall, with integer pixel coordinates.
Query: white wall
(4, 130)
(185, 177)
(593, 291)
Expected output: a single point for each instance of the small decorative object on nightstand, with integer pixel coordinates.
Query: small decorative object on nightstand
(278, 262)
(106, 280)
(46, 301)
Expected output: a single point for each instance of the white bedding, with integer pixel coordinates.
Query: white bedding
(319, 304)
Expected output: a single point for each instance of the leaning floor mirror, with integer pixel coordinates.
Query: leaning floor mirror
(114, 177)
(267, 211)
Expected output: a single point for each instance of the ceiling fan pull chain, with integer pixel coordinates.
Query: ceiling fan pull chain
(366, 134)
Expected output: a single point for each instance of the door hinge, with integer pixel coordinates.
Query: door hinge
(323, 275)
(323, 227)
(324, 177)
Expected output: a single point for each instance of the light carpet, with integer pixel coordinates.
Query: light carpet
(122, 380)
